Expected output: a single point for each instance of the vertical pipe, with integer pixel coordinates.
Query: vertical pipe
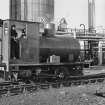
(91, 15)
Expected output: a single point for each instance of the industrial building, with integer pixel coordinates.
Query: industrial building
(91, 40)
(32, 10)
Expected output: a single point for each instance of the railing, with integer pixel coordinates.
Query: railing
(82, 33)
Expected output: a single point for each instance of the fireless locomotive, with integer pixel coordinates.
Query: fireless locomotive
(38, 52)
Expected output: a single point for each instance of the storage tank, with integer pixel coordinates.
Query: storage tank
(32, 10)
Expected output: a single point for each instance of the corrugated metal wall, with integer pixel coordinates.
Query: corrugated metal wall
(32, 10)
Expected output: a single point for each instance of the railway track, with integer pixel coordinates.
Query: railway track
(15, 88)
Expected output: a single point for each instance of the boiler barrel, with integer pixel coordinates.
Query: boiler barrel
(60, 46)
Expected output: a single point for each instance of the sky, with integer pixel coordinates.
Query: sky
(4, 9)
(100, 13)
(74, 11)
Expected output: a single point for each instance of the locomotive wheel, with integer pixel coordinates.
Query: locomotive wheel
(61, 72)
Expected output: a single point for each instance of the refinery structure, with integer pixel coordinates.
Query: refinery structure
(91, 39)
(32, 10)
(44, 10)
(55, 41)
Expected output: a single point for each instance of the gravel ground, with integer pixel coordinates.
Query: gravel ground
(81, 95)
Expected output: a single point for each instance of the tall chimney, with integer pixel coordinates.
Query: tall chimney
(91, 15)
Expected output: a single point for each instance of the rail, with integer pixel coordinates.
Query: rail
(9, 89)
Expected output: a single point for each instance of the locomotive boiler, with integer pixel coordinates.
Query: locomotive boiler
(41, 52)
(68, 49)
